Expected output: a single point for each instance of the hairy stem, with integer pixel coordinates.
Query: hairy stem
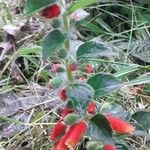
(67, 46)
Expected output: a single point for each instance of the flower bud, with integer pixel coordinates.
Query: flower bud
(109, 147)
(120, 125)
(66, 111)
(63, 94)
(51, 11)
(91, 108)
(92, 145)
(73, 67)
(76, 134)
(58, 130)
(89, 68)
(71, 119)
(60, 145)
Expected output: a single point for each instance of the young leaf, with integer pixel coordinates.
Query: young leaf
(100, 129)
(104, 84)
(93, 49)
(32, 6)
(81, 4)
(142, 118)
(52, 42)
(82, 93)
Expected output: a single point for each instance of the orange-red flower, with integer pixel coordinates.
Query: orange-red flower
(66, 111)
(63, 94)
(60, 145)
(120, 125)
(58, 130)
(51, 11)
(91, 108)
(76, 134)
(109, 147)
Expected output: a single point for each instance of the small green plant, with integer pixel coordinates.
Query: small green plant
(81, 119)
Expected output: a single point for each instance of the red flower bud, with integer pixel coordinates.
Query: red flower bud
(76, 134)
(66, 111)
(91, 108)
(120, 125)
(89, 68)
(109, 147)
(51, 11)
(73, 67)
(63, 94)
(58, 130)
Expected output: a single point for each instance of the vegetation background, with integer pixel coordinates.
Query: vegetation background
(28, 99)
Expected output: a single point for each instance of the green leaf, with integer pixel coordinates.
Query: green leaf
(121, 146)
(100, 129)
(82, 93)
(81, 4)
(32, 6)
(93, 49)
(94, 145)
(104, 84)
(52, 42)
(142, 118)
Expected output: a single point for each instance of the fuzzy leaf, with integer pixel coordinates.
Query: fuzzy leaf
(100, 129)
(82, 93)
(52, 42)
(32, 6)
(104, 84)
(93, 49)
(142, 118)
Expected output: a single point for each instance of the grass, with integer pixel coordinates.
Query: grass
(121, 25)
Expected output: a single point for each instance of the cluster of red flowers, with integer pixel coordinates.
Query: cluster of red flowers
(70, 135)
(65, 136)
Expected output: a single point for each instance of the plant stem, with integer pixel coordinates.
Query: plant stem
(67, 46)
(69, 72)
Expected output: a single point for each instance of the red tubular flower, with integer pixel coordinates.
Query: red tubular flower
(60, 145)
(109, 147)
(51, 11)
(89, 68)
(58, 130)
(91, 108)
(76, 134)
(120, 125)
(66, 111)
(73, 67)
(63, 94)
